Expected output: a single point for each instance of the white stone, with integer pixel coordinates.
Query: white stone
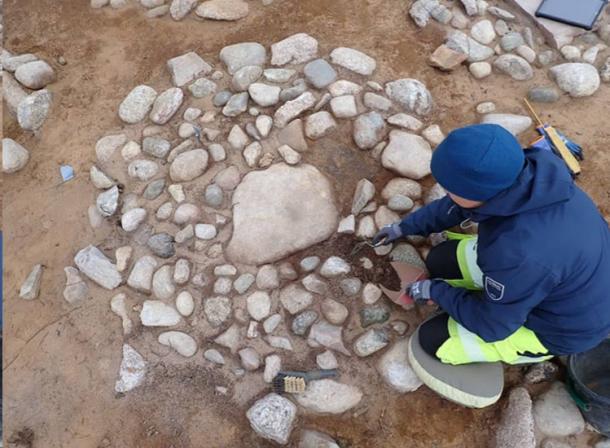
(267, 277)
(118, 306)
(205, 231)
(158, 314)
(480, 70)
(526, 53)
(131, 220)
(353, 60)
(184, 344)
(137, 104)
(344, 106)
(264, 95)
(166, 105)
(556, 414)
(371, 342)
(187, 68)
(334, 266)
(264, 123)
(106, 146)
(434, 134)
(290, 156)
(259, 305)
(369, 129)
(514, 66)
(76, 289)
(141, 274)
(516, 428)
(250, 359)
(329, 336)
(162, 284)
(334, 312)
(99, 179)
(407, 154)
(486, 107)
(577, 79)
(185, 303)
(243, 54)
(483, 32)
(377, 102)
(371, 293)
(230, 338)
(329, 397)
(272, 418)
(217, 310)
(273, 365)
(182, 271)
(214, 356)
(35, 74)
(411, 94)
(327, 360)
(131, 150)
(230, 10)
(14, 156)
(458, 41)
(395, 369)
(343, 87)
(515, 124)
(292, 109)
(319, 124)
(132, 371)
(295, 49)
(33, 110)
(271, 323)
(189, 165)
(252, 154)
(347, 225)
(315, 439)
(31, 286)
(186, 213)
(237, 138)
(300, 199)
(366, 228)
(295, 299)
(95, 265)
(407, 121)
(243, 282)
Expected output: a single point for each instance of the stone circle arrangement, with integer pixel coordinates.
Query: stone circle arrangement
(225, 10)
(208, 187)
(497, 33)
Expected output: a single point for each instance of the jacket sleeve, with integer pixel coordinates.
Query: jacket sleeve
(508, 296)
(437, 216)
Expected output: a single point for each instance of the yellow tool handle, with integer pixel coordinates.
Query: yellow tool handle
(565, 153)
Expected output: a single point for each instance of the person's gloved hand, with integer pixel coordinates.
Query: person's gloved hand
(419, 291)
(387, 234)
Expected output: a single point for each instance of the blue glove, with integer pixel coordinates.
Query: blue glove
(387, 234)
(420, 291)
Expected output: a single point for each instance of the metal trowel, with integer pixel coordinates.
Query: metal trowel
(407, 273)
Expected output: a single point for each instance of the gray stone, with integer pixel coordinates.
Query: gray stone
(279, 342)
(405, 121)
(516, 427)
(315, 284)
(14, 156)
(543, 94)
(30, 288)
(295, 299)
(214, 356)
(329, 397)
(267, 277)
(295, 49)
(162, 245)
(290, 93)
(514, 66)
(407, 254)
(329, 336)
(230, 338)
(141, 274)
(374, 314)
(132, 371)
(395, 369)
(353, 60)
(187, 67)
(319, 124)
(106, 146)
(162, 285)
(501, 13)
(33, 110)
(369, 129)
(458, 41)
(302, 322)
(236, 105)
(158, 314)
(107, 202)
(309, 264)
(350, 286)
(292, 109)
(12, 92)
(577, 79)
(228, 178)
(156, 146)
(203, 87)
(547, 57)
(243, 54)
(12, 63)
(272, 418)
(157, 12)
(326, 360)
(179, 10)
(604, 71)
(407, 154)
(411, 94)
(189, 165)
(217, 310)
(250, 359)
(185, 213)
(312, 218)
(76, 290)
(278, 75)
(35, 75)
(400, 203)
(511, 40)
(542, 371)
(246, 76)
(166, 105)
(229, 10)
(515, 124)
(222, 98)
(556, 414)
(370, 342)
(243, 283)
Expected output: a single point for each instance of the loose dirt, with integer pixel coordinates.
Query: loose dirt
(60, 363)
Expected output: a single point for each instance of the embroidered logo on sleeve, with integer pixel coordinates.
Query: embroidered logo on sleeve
(494, 289)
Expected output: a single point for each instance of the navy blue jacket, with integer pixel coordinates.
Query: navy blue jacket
(544, 250)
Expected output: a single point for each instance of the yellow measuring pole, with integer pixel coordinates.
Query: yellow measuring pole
(565, 153)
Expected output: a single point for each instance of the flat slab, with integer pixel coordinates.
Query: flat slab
(279, 211)
(557, 34)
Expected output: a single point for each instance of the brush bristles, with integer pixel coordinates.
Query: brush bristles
(294, 385)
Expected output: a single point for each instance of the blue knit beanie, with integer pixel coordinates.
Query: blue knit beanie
(477, 162)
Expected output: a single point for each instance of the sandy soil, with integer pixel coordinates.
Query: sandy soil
(60, 363)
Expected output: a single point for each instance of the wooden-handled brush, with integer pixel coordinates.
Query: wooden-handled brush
(294, 382)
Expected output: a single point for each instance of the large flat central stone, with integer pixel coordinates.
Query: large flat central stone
(279, 211)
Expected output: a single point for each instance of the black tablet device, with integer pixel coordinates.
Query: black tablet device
(580, 13)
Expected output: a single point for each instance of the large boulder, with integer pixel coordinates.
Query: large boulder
(577, 79)
(300, 200)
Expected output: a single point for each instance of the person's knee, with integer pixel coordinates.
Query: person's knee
(442, 262)
(433, 333)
